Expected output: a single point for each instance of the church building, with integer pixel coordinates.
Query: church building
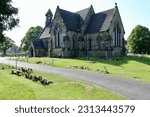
(81, 34)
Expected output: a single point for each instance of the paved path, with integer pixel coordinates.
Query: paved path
(132, 89)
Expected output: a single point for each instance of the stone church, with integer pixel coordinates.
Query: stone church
(81, 34)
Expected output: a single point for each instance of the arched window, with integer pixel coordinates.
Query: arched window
(81, 43)
(66, 41)
(73, 42)
(98, 42)
(90, 43)
(57, 37)
(117, 32)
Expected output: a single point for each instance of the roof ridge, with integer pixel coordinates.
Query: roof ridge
(68, 11)
(84, 12)
(106, 10)
(83, 9)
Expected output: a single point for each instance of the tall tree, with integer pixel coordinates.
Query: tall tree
(139, 40)
(6, 44)
(8, 18)
(31, 34)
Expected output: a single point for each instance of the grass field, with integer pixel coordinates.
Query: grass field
(14, 87)
(135, 67)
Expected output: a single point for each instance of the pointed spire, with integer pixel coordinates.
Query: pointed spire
(48, 13)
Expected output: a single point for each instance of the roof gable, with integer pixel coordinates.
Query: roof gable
(100, 21)
(83, 13)
(119, 17)
(45, 33)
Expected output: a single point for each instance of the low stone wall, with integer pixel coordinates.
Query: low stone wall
(57, 52)
(93, 53)
(117, 51)
(96, 54)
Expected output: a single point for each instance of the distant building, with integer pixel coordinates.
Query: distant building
(80, 34)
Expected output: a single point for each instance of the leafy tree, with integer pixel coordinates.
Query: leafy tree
(31, 34)
(8, 18)
(139, 40)
(6, 44)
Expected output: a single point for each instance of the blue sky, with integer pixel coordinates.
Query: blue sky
(32, 12)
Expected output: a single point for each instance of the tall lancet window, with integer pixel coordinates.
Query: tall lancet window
(57, 37)
(90, 43)
(117, 32)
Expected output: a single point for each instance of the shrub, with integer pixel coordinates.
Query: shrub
(39, 62)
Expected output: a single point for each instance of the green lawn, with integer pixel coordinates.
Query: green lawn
(135, 67)
(14, 87)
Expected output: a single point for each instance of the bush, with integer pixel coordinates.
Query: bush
(39, 62)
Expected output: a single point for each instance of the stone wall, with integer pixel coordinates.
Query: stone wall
(57, 27)
(117, 21)
(77, 44)
(45, 42)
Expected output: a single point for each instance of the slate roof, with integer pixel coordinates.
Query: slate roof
(100, 21)
(45, 33)
(38, 43)
(71, 20)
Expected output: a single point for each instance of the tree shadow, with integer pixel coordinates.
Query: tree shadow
(140, 59)
(120, 61)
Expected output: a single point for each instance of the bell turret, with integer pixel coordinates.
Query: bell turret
(49, 16)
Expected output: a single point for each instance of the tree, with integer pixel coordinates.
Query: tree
(8, 18)
(139, 40)
(6, 44)
(31, 34)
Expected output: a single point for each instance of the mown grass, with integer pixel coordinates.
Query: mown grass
(134, 67)
(14, 87)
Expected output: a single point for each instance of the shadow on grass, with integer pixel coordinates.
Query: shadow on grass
(120, 61)
(140, 59)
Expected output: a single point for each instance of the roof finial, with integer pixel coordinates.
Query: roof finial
(115, 4)
(57, 6)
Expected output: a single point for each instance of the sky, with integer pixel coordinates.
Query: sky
(32, 13)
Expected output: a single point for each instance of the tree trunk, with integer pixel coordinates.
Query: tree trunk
(4, 52)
